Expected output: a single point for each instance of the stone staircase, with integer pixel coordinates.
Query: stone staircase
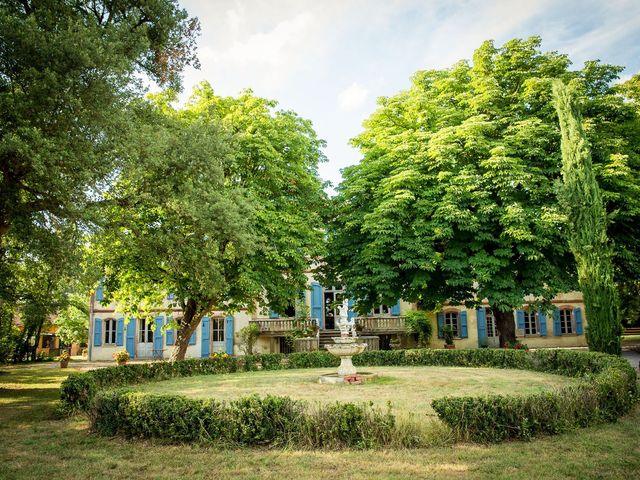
(325, 337)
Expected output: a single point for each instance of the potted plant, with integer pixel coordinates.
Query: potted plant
(394, 343)
(121, 357)
(64, 359)
(447, 333)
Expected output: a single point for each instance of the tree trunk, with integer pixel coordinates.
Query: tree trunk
(186, 326)
(506, 326)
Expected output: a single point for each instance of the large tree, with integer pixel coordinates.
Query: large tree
(221, 210)
(68, 68)
(455, 197)
(587, 220)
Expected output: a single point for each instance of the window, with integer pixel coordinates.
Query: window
(217, 329)
(110, 331)
(451, 320)
(566, 321)
(492, 331)
(530, 322)
(145, 332)
(381, 311)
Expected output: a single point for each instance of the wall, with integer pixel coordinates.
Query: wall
(570, 299)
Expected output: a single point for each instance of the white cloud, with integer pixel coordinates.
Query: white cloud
(353, 97)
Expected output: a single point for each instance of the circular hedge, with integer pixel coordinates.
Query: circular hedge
(607, 390)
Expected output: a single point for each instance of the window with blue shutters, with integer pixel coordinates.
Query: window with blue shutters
(452, 319)
(566, 321)
(110, 331)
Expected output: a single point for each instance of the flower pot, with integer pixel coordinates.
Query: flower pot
(449, 347)
(64, 363)
(121, 362)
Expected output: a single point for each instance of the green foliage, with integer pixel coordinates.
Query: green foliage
(68, 75)
(455, 196)
(587, 221)
(419, 324)
(448, 334)
(608, 390)
(248, 337)
(72, 322)
(223, 198)
(274, 421)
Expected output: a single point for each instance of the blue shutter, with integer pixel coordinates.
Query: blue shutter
(100, 292)
(440, 325)
(170, 334)
(350, 313)
(228, 334)
(204, 338)
(97, 332)
(520, 320)
(316, 304)
(395, 310)
(120, 332)
(542, 321)
(273, 314)
(157, 334)
(131, 337)
(464, 327)
(192, 338)
(557, 330)
(577, 316)
(481, 320)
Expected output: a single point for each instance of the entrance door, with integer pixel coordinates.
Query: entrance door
(217, 335)
(145, 339)
(493, 338)
(332, 299)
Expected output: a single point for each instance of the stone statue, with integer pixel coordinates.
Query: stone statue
(343, 322)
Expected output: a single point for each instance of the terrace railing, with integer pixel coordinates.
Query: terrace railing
(386, 324)
(280, 326)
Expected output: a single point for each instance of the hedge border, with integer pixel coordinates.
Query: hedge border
(607, 390)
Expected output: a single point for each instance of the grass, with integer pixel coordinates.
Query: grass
(36, 444)
(407, 389)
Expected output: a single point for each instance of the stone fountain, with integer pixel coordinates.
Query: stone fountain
(346, 346)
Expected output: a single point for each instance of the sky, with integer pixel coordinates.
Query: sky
(330, 60)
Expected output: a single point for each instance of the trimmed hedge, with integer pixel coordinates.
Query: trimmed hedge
(608, 390)
(270, 420)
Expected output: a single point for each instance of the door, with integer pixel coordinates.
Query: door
(332, 298)
(493, 338)
(145, 339)
(217, 335)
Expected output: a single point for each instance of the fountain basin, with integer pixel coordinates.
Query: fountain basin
(355, 379)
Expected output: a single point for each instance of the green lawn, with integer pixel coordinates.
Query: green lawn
(407, 389)
(35, 444)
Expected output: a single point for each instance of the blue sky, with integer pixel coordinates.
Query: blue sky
(329, 60)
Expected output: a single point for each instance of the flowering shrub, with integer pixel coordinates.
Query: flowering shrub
(517, 345)
(64, 356)
(121, 357)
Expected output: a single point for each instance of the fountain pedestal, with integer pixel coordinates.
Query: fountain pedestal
(345, 348)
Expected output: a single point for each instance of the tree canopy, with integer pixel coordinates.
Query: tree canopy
(455, 196)
(221, 209)
(68, 70)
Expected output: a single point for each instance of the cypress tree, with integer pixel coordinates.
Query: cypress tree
(587, 226)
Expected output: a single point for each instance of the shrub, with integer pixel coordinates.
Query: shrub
(248, 337)
(607, 389)
(418, 324)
